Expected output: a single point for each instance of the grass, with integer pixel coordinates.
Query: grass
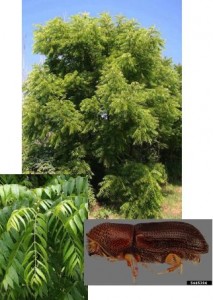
(171, 206)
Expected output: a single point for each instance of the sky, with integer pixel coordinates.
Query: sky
(165, 15)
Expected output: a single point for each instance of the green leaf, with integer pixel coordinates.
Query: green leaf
(41, 222)
(65, 188)
(27, 257)
(72, 262)
(36, 279)
(72, 225)
(15, 190)
(78, 222)
(8, 282)
(43, 251)
(38, 192)
(83, 214)
(69, 253)
(79, 184)
(48, 192)
(13, 274)
(41, 231)
(70, 186)
(42, 240)
(29, 275)
(41, 274)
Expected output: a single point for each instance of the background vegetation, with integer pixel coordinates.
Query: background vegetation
(107, 104)
(41, 237)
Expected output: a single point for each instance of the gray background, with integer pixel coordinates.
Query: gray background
(99, 271)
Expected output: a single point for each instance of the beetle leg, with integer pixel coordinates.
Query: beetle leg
(132, 262)
(196, 259)
(175, 261)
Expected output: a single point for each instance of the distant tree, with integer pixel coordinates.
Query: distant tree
(104, 103)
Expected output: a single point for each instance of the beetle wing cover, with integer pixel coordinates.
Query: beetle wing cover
(113, 238)
(169, 235)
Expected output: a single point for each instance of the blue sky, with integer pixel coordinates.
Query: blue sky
(164, 14)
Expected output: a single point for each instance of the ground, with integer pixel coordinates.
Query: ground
(171, 206)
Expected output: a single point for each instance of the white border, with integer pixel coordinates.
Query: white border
(11, 82)
(197, 108)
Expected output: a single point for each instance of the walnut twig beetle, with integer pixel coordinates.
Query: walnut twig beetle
(168, 242)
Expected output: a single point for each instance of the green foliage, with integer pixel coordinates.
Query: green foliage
(41, 239)
(30, 180)
(139, 194)
(104, 213)
(104, 98)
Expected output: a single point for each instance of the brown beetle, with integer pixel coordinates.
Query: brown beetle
(163, 242)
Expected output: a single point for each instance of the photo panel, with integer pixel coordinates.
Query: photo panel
(148, 252)
(41, 236)
(102, 97)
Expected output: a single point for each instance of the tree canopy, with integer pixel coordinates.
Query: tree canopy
(105, 103)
